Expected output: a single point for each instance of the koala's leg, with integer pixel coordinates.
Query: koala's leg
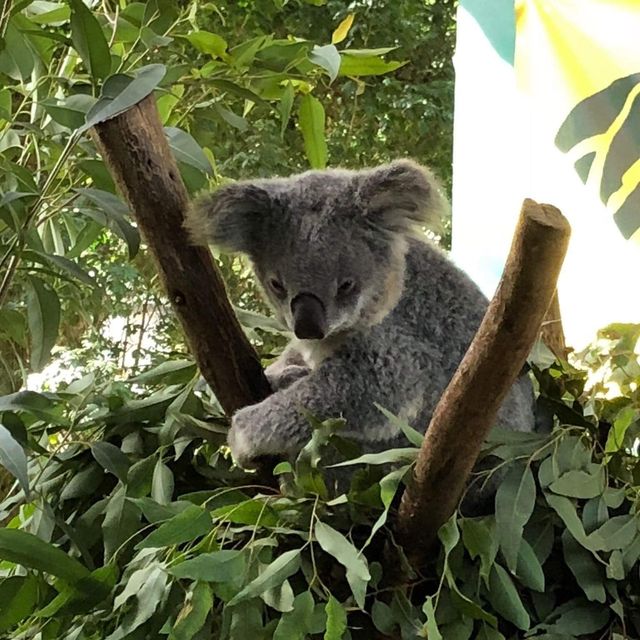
(287, 369)
(347, 385)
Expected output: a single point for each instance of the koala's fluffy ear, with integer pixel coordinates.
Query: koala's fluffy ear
(401, 195)
(231, 218)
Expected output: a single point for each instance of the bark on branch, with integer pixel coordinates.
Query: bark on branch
(135, 148)
(468, 407)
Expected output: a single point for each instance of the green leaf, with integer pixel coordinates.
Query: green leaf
(618, 431)
(30, 551)
(121, 521)
(67, 266)
(274, 574)
(250, 512)
(13, 458)
(529, 570)
(243, 92)
(226, 565)
(311, 121)
(616, 533)
(279, 598)
(328, 58)
(567, 512)
(187, 150)
(391, 456)
(581, 484)
(431, 626)
(294, 624)
(169, 372)
(19, 596)
(193, 615)
(118, 95)
(208, 42)
(449, 534)
(70, 112)
(505, 599)
(335, 544)
(34, 403)
(162, 483)
(583, 618)
(189, 524)
(413, 436)
(115, 216)
(367, 65)
(231, 118)
(336, 620)
(284, 107)
(480, 539)
(89, 41)
(149, 594)
(515, 499)
(109, 457)
(43, 314)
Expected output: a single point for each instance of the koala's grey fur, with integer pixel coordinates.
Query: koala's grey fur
(396, 336)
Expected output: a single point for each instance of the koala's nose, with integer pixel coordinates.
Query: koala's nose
(309, 318)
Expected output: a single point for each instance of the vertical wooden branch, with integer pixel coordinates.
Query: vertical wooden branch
(135, 148)
(468, 408)
(552, 333)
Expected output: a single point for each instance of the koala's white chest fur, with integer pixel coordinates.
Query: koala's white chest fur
(314, 352)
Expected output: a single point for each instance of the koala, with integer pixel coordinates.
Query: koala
(379, 314)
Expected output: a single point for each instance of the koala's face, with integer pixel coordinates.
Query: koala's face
(328, 247)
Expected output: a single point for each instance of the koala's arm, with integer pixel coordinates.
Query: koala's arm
(287, 369)
(347, 385)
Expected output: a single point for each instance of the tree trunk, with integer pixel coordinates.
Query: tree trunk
(468, 408)
(134, 147)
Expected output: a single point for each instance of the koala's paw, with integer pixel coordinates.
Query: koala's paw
(243, 437)
(285, 377)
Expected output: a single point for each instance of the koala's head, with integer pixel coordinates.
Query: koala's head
(328, 247)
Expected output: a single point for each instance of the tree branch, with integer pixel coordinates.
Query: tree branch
(134, 147)
(468, 408)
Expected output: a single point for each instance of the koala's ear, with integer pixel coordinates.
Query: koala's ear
(231, 218)
(401, 195)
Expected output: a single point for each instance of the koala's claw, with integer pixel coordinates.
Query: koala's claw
(286, 376)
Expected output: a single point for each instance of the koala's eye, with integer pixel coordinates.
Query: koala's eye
(346, 287)
(277, 287)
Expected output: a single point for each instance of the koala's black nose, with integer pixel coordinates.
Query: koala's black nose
(309, 318)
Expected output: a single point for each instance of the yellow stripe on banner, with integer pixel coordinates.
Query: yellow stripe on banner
(587, 42)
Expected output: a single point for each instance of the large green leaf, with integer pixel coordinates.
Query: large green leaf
(188, 525)
(336, 620)
(30, 551)
(43, 314)
(89, 41)
(120, 93)
(111, 458)
(335, 544)
(194, 613)
(311, 120)
(505, 599)
(285, 565)
(515, 500)
(353, 65)
(115, 216)
(226, 565)
(19, 596)
(13, 458)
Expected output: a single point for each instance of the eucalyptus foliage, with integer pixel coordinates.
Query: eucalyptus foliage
(128, 520)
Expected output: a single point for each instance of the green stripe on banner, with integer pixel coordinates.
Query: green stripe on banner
(497, 18)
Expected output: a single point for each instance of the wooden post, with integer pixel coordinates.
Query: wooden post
(468, 408)
(135, 148)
